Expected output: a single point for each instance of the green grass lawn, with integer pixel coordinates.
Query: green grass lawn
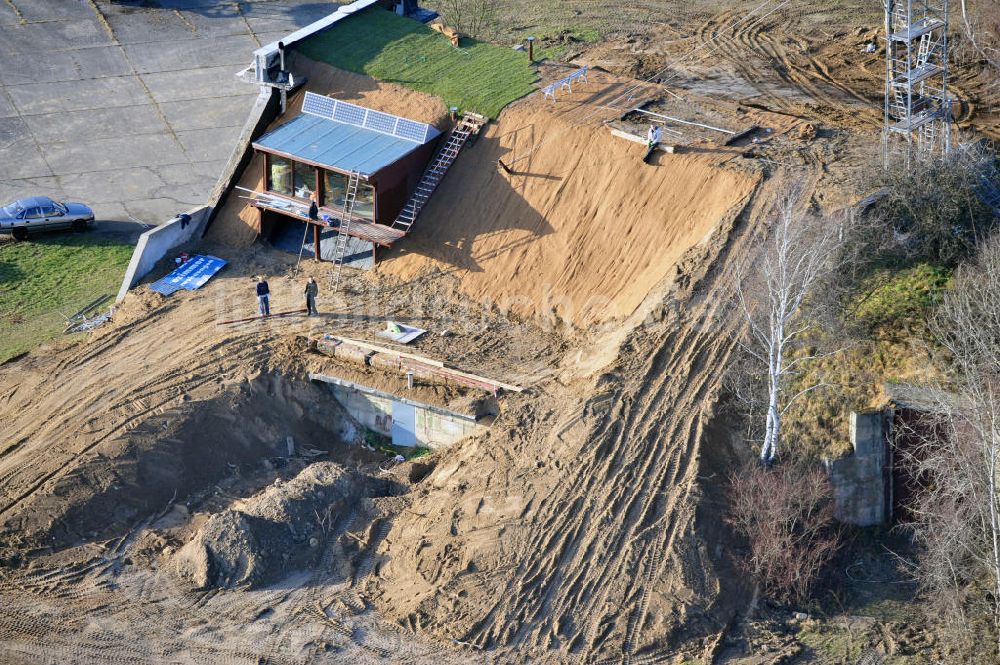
(477, 76)
(49, 276)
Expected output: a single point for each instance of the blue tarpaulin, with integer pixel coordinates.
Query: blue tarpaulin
(191, 275)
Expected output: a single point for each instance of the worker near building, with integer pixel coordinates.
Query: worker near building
(263, 296)
(314, 207)
(653, 136)
(312, 290)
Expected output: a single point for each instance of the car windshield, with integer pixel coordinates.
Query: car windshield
(61, 207)
(12, 209)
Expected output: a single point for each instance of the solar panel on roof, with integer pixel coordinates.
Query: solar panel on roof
(349, 113)
(359, 116)
(409, 129)
(318, 105)
(381, 122)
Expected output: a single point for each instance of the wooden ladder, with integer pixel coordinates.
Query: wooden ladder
(340, 248)
(436, 170)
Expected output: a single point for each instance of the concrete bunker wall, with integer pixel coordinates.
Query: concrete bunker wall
(860, 482)
(154, 244)
(408, 422)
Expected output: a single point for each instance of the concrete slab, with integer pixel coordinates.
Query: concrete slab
(114, 153)
(100, 187)
(201, 114)
(7, 109)
(46, 10)
(156, 211)
(229, 50)
(51, 36)
(202, 144)
(67, 85)
(26, 162)
(97, 123)
(132, 25)
(78, 95)
(197, 84)
(32, 186)
(13, 130)
(84, 63)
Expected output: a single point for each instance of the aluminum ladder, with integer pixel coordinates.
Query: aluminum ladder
(340, 248)
(435, 172)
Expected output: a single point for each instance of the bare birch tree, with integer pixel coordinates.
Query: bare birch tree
(959, 516)
(797, 253)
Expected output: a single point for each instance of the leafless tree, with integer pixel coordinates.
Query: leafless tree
(981, 20)
(786, 514)
(476, 18)
(959, 514)
(798, 251)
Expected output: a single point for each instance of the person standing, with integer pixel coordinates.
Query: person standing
(312, 290)
(263, 296)
(314, 207)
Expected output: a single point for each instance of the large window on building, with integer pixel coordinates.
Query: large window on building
(334, 189)
(305, 180)
(279, 175)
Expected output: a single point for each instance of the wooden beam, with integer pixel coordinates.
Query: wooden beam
(665, 147)
(316, 242)
(429, 361)
(276, 315)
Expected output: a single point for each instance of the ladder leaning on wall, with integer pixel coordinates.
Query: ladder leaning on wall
(436, 170)
(347, 212)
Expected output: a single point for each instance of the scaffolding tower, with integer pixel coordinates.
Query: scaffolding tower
(917, 106)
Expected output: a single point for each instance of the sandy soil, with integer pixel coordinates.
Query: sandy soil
(583, 229)
(575, 529)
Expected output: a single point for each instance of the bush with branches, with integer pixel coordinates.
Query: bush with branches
(785, 512)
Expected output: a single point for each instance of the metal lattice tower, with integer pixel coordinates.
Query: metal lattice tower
(917, 106)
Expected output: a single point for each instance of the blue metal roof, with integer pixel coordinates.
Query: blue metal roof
(338, 145)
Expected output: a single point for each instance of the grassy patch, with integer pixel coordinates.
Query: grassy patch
(894, 303)
(383, 443)
(476, 76)
(50, 275)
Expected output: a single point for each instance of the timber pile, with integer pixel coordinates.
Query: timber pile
(425, 369)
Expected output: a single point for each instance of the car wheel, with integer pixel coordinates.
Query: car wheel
(20, 233)
(79, 225)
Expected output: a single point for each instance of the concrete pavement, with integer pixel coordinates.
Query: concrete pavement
(130, 106)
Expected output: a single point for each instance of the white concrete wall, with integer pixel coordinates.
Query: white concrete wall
(435, 427)
(154, 244)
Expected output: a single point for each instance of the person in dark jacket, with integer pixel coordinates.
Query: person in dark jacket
(312, 290)
(263, 296)
(314, 207)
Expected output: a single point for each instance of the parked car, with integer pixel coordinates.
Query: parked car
(40, 213)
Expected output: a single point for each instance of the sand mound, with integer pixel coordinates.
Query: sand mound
(237, 223)
(583, 229)
(178, 454)
(257, 539)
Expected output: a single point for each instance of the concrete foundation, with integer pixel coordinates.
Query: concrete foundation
(860, 480)
(154, 244)
(409, 423)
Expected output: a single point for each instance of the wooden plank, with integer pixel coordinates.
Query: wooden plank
(430, 362)
(383, 349)
(276, 315)
(665, 147)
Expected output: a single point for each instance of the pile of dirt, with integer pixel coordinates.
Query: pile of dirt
(583, 229)
(257, 540)
(179, 454)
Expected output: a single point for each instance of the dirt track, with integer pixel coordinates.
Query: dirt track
(568, 533)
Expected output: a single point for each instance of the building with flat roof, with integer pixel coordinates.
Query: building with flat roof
(329, 142)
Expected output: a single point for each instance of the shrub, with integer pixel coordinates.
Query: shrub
(786, 514)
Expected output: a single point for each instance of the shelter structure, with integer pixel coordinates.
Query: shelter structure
(360, 165)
